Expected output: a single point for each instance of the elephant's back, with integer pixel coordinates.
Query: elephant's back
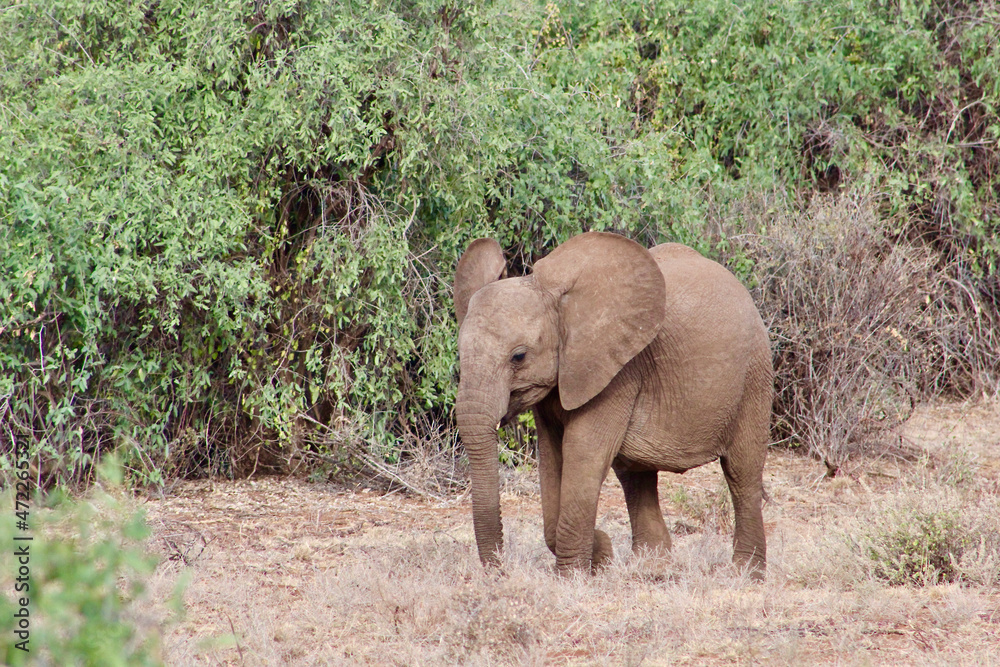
(681, 263)
(668, 251)
(697, 287)
(709, 313)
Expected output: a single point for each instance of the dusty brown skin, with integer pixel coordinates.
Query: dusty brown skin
(631, 359)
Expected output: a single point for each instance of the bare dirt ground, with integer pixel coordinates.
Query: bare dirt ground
(283, 572)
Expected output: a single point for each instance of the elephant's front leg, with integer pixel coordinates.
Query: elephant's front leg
(550, 463)
(589, 443)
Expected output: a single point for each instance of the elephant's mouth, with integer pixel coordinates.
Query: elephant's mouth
(522, 400)
(515, 406)
(510, 416)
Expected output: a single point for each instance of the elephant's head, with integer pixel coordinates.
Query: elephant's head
(573, 323)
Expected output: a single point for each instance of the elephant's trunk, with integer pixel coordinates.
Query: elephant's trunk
(478, 412)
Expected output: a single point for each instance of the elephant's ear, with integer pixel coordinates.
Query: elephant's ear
(481, 264)
(611, 300)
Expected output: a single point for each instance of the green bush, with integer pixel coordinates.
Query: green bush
(918, 548)
(930, 538)
(87, 563)
(903, 97)
(225, 224)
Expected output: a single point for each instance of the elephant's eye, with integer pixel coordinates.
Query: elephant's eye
(517, 357)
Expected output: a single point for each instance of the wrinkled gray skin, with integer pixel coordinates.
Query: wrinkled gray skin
(631, 359)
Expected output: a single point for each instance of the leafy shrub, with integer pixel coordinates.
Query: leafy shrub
(903, 97)
(918, 548)
(229, 229)
(931, 539)
(87, 564)
(224, 225)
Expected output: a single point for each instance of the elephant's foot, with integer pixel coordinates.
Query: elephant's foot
(601, 555)
(755, 564)
(653, 560)
(656, 539)
(603, 552)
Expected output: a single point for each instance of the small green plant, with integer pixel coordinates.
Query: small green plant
(920, 549)
(86, 565)
(916, 542)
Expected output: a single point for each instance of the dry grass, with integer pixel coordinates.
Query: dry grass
(284, 572)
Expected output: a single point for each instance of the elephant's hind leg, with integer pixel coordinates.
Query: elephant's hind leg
(649, 532)
(549, 474)
(743, 466)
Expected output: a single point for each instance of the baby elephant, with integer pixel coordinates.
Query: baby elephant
(632, 359)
